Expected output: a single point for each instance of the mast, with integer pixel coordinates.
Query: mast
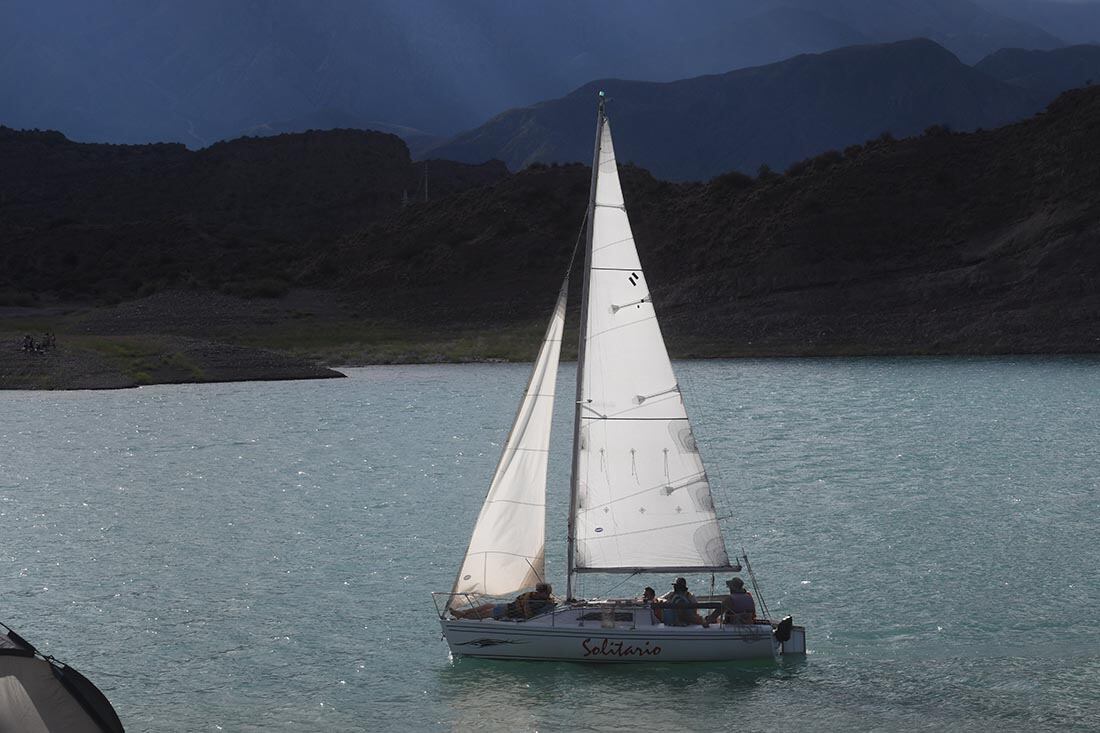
(582, 338)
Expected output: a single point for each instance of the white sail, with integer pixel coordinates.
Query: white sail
(506, 550)
(643, 500)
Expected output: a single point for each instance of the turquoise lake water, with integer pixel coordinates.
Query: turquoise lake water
(260, 556)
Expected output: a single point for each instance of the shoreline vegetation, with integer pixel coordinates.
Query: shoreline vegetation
(205, 337)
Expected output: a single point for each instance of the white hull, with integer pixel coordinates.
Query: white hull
(563, 636)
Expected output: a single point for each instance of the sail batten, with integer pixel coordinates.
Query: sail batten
(635, 570)
(641, 496)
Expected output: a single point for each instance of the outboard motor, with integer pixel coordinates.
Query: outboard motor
(783, 629)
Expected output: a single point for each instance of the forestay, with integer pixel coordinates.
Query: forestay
(643, 500)
(506, 550)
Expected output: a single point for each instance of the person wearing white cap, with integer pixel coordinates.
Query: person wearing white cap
(738, 607)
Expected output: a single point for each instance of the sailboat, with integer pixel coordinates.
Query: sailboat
(640, 499)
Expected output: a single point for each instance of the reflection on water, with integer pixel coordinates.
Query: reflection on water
(554, 695)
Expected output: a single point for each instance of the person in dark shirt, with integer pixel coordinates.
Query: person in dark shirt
(738, 607)
(650, 601)
(676, 602)
(526, 605)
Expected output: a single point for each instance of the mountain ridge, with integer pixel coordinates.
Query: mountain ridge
(945, 242)
(773, 115)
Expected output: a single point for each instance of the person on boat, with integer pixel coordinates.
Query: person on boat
(678, 604)
(738, 607)
(527, 605)
(649, 600)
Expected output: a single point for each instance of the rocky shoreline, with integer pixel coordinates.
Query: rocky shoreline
(173, 338)
(120, 364)
(198, 336)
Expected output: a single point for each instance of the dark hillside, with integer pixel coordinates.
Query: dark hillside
(114, 221)
(946, 242)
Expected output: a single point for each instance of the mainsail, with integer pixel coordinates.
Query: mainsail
(642, 500)
(506, 550)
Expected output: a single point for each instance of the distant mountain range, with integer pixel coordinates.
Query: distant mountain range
(1073, 21)
(944, 242)
(196, 72)
(1045, 73)
(781, 113)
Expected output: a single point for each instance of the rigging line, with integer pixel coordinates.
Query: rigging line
(536, 572)
(755, 587)
(621, 583)
(577, 245)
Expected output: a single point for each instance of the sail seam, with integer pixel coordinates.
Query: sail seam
(655, 569)
(587, 417)
(650, 317)
(705, 520)
(602, 247)
(682, 483)
(501, 552)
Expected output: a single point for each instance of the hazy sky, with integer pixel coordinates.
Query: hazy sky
(200, 70)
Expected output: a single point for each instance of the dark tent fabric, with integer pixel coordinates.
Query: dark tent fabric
(38, 694)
